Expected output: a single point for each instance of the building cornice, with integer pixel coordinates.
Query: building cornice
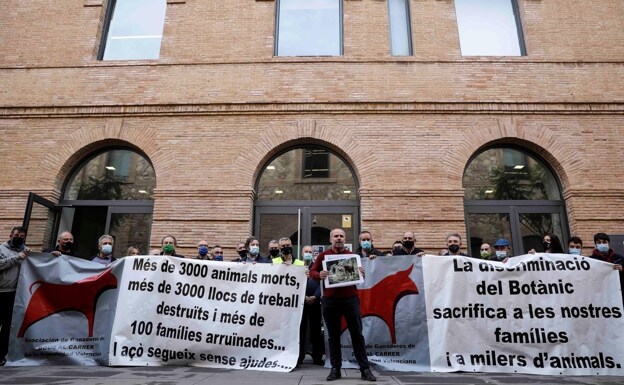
(615, 108)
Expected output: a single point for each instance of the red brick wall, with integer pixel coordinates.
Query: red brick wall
(217, 105)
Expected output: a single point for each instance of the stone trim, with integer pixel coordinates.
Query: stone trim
(331, 108)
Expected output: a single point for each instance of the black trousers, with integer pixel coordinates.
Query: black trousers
(7, 299)
(311, 321)
(333, 311)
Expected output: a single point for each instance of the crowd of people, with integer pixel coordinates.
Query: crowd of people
(329, 304)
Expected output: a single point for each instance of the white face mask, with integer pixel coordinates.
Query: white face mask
(501, 254)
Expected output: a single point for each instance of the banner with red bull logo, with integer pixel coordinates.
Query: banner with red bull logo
(154, 310)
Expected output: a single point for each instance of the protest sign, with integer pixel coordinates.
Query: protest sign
(392, 302)
(154, 310)
(542, 313)
(63, 313)
(217, 314)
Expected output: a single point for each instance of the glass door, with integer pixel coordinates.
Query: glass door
(304, 225)
(41, 220)
(129, 224)
(523, 224)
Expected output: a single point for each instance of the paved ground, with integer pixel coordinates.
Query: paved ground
(306, 375)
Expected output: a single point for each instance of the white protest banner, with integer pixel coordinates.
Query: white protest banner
(542, 314)
(63, 312)
(219, 314)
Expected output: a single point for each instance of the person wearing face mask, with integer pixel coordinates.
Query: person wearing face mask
(252, 255)
(203, 250)
(575, 246)
(453, 245)
(217, 253)
(501, 250)
(169, 244)
(603, 252)
(550, 244)
(311, 319)
(12, 253)
(64, 246)
(105, 253)
(409, 246)
(274, 249)
(396, 246)
(285, 256)
(366, 249)
(308, 256)
(485, 251)
(241, 251)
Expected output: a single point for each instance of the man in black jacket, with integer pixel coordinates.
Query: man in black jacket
(367, 249)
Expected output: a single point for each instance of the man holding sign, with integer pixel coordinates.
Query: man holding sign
(338, 302)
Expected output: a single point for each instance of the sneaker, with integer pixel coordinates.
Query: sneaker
(368, 375)
(2, 362)
(334, 374)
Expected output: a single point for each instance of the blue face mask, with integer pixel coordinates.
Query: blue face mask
(366, 245)
(603, 247)
(107, 249)
(202, 250)
(501, 254)
(218, 257)
(254, 250)
(307, 256)
(574, 251)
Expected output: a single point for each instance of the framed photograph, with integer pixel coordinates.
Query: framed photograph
(343, 269)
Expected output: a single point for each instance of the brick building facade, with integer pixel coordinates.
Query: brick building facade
(218, 105)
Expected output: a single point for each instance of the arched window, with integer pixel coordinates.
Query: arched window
(109, 192)
(511, 193)
(303, 193)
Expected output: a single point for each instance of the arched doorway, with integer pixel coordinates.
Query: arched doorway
(109, 192)
(511, 193)
(303, 193)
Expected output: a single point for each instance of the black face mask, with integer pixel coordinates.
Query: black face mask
(274, 252)
(287, 250)
(242, 253)
(408, 244)
(17, 241)
(453, 248)
(68, 245)
(546, 245)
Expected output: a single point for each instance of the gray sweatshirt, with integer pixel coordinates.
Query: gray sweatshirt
(9, 267)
